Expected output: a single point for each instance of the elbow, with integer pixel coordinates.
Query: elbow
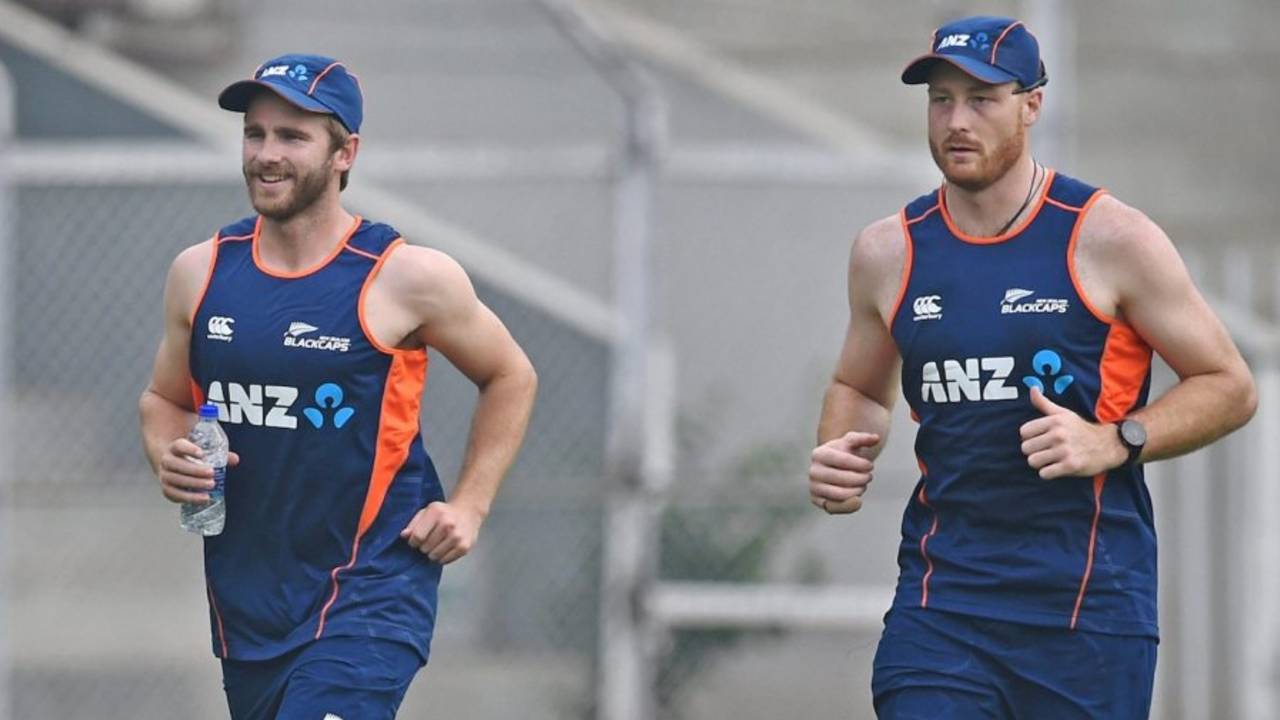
(144, 400)
(531, 378)
(1245, 394)
(523, 375)
(1240, 395)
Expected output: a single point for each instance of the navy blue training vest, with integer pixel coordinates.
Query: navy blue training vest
(978, 323)
(332, 465)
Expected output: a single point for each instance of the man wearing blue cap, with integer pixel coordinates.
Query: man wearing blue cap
(308, 327)
(1022, 308)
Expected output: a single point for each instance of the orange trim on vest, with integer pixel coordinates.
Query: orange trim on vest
(920, 217)
(397, 428)
(197, 395)
(1064, 206)
(337, 250)
(1071, 259)
(924, 547)
(905, 278)
(358, 251)
(1026, 222)
(1098, 482)
(222, 636)
(1126, 360)
(208, 278)
(333, 574)
(364, 291)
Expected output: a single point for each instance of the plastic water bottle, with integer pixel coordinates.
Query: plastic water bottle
(209, 518)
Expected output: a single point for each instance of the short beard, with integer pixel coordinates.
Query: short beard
(990, 168)
(308, 188)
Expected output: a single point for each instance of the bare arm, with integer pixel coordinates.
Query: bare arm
(857, 405)
(165, 408)
(1155, 295)
(1130, 270)
(469, 335)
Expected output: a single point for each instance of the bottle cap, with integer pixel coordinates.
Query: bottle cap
(208, 411)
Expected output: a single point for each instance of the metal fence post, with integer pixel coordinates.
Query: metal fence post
(7, 221)
(1257, 584)
(632, 470)
(1053, 21)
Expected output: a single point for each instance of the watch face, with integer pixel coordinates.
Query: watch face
(1133, 433)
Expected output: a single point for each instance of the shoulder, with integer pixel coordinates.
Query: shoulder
(880, 246)
(188, 275)
(193, 262)
(1122, 255)
(425, 279)
(417, 267)
(876, 265)
(1115, 234)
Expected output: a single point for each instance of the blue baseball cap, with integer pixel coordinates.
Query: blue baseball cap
(311, 82)
(995, 50)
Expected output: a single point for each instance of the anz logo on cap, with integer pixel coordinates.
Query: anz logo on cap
(979, 41)
(297, 73)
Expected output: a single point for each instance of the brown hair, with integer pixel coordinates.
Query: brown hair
(338, 135)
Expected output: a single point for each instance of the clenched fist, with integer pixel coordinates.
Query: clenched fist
(839, 472)
(443, 532)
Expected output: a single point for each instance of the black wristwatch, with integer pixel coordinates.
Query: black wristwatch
(1134, 437)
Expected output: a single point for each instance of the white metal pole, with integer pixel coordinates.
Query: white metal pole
(630, 523)
(8, 219)
(1054, 25)
(1194, 618)
(1258, 536)
(1253, 545)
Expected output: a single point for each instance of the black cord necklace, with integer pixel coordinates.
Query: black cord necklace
(1035, 173)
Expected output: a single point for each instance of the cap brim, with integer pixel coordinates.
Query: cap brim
(237, 95)
(917, 71)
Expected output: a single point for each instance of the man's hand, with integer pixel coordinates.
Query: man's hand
(839, 475)
(183, 477)
(443, 531)
(1063, 444)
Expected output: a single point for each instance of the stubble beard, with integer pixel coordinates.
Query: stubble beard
(307, 189)
(989, 168)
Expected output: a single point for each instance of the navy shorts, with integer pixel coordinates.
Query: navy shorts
(944, 666)
(339, 678)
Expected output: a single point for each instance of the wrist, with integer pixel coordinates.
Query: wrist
(472, 505)
(1131, 435)
(1118, 455)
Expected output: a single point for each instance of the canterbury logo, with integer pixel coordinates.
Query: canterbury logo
(928, 307)
(220, 328)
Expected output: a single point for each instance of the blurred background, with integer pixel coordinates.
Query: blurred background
(658, 197)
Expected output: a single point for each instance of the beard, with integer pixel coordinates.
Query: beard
(308, 187)
(988, 167)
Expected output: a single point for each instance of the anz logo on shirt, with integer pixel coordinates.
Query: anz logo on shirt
(270, 405)
(983, 379)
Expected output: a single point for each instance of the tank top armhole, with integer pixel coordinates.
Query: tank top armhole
(1071, 259)
(364, 291)
(208, 280)
(905, 277)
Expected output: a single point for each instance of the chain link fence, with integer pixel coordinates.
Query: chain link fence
(98, 553)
